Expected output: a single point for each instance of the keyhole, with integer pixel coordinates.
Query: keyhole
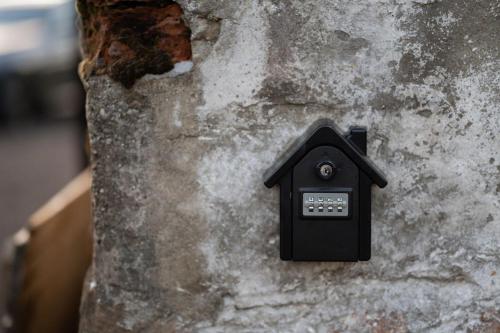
(325, 170)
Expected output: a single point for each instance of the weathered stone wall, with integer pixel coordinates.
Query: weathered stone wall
(186, 234)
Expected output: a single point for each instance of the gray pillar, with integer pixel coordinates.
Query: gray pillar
(186, 234)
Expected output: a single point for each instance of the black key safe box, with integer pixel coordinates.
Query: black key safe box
(325, 184)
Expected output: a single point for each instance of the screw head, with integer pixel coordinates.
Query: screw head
(325, 170)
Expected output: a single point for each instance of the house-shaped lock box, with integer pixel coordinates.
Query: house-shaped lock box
(325, 184)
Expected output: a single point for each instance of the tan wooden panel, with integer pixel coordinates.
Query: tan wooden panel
(57, 256)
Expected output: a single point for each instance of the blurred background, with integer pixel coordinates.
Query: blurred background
(42, 122)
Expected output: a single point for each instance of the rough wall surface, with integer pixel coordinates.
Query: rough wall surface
(186, 234)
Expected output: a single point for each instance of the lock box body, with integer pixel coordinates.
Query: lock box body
(325, 195)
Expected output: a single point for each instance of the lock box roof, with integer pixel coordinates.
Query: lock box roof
(323, 132)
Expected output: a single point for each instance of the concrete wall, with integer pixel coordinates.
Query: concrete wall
(186, 234)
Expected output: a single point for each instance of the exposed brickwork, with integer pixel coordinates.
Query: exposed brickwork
(128, 39)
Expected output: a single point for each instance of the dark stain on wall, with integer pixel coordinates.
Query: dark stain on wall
(468, 41)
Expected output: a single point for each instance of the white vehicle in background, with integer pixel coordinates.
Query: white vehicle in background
(38, 59)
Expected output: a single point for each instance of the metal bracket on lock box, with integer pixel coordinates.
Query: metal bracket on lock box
(325, 183)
